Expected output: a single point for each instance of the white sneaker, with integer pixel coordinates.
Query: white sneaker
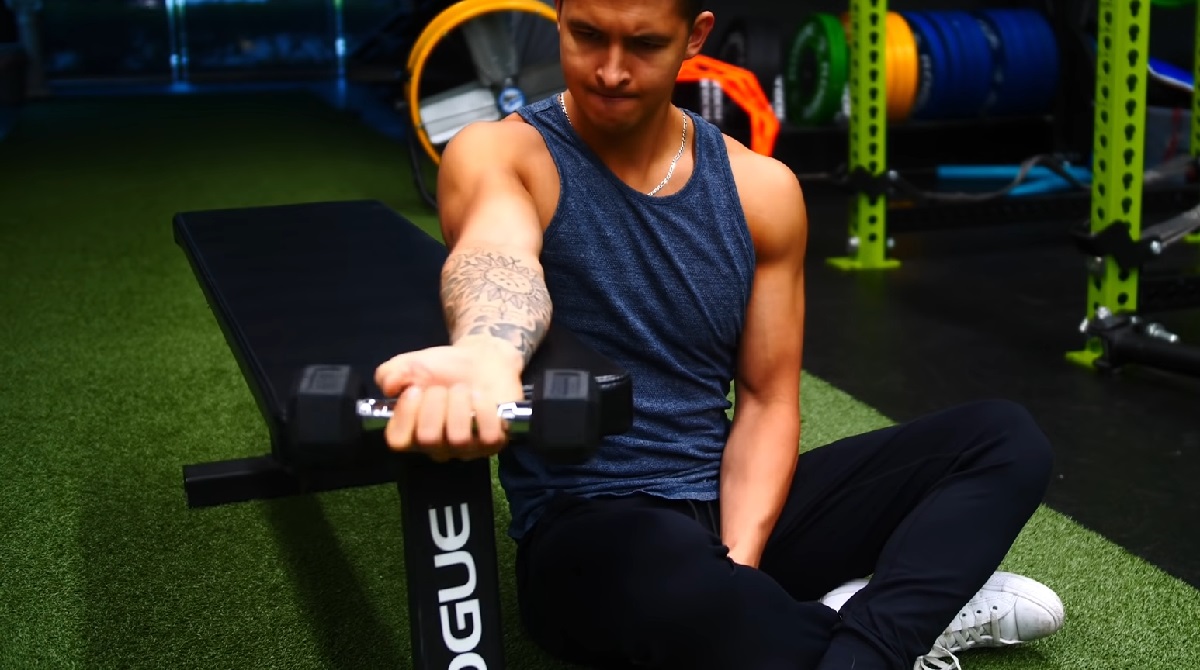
(1010, 609)
(838, 597)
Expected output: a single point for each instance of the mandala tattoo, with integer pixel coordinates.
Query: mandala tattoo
(488, 293)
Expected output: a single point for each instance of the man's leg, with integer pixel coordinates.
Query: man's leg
(930, 507)
(620, 583)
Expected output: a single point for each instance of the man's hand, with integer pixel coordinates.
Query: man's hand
(747, 557)
(448, 397)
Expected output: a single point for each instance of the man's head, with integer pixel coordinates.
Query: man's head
(688, 9)
(620, 58)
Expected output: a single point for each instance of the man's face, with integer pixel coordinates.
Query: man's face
(620, 58)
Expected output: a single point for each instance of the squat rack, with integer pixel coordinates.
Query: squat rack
(868, 138)
(1116, 243)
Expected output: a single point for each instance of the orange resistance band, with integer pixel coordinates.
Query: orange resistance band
(741, 86)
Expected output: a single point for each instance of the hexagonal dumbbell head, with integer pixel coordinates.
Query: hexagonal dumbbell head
(565, 426)
(322, 422)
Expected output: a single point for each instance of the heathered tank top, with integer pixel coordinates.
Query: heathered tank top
(659, 285)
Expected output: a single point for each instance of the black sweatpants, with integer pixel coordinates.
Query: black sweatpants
(929, 508)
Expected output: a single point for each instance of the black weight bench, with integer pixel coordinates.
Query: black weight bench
(355, 283)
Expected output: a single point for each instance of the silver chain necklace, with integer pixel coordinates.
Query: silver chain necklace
(679, 154)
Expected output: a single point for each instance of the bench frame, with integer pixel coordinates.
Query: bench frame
(447, 512)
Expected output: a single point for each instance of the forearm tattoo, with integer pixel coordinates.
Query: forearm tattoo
(484, 292)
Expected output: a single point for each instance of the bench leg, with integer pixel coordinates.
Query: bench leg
(450, 564)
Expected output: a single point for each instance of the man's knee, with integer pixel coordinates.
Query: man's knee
(1012, 438)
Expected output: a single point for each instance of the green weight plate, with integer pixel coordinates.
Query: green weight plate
(815, 69)
(756, 44)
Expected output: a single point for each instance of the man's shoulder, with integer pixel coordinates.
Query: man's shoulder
(762, 174)
(503, 143)
(770, 194)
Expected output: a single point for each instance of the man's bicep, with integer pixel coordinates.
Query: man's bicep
(773, 339)
(482, 201)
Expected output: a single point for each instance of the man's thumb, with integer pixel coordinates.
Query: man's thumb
(392, 376)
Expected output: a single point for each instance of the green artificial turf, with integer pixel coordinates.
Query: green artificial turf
(115, 375)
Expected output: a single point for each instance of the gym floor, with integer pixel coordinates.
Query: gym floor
(971, 315)
(118, 376)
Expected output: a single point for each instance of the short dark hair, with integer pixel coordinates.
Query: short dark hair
(690, 9)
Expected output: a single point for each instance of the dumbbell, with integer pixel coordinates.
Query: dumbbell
(328, 415)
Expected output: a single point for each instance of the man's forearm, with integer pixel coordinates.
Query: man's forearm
(756, 472)
(498, 294)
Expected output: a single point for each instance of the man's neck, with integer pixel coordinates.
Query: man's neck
(637, 154)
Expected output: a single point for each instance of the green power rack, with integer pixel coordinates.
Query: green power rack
(1117, 167)
(1122, 44)
(867, 247)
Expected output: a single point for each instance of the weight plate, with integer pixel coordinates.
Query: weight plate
(934, 76)
(902, 67)
(999, 85)
(974, 81)
(956, 101)
(1048, 73)
(815, 70)
(755, 44)
(1013, 78)
(950, 64)
(900, 64)
(1024, 65)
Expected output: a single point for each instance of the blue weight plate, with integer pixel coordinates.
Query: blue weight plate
(1043, 35)
(996, 82)
(934, 76)
(958, 65)
(1038, 93)
(1020, 66)
(978, 59)
(951, 106)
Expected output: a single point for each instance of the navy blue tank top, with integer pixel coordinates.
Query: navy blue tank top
(660, 285)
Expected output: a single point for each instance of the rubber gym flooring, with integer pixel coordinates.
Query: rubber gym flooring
(116, 375)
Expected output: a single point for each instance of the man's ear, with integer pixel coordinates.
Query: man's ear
(701, 29)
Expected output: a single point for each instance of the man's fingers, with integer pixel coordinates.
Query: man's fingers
(393, 375)
(489, 427)
(431, 417)
(460, 424)
(444, 423)
(401, 426)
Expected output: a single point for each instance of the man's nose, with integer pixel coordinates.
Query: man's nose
(612, 73)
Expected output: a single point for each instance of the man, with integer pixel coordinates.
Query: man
(692, 541)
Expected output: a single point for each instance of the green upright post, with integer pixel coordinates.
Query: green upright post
(868, 243)
(1194, 144)
(1118, 158)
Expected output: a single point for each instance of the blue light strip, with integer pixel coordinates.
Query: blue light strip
(181, 22)
(172, 42)
(339, 43)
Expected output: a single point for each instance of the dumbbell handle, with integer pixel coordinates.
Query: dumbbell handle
(378, 411)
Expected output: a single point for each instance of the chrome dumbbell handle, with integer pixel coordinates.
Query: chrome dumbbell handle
(375, 412)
